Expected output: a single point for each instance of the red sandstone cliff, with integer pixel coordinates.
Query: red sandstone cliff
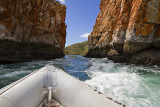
(31, 29)
(126, 28)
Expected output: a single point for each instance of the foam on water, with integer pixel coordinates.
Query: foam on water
(125, 83)
(137, 86)
(74, 65)
(14, 74)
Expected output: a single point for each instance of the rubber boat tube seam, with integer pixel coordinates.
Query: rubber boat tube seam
(86, 86)
(81, 91)
(9, 100)
(15, 83)
(70, 92)
(76, 98)
(18, 92)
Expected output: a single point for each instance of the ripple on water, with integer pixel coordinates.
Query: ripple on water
(137, 86)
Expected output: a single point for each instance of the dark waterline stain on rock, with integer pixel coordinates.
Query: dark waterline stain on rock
(126, 32)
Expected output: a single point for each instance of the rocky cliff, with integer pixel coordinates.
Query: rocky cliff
(127, 31)
(31, 30)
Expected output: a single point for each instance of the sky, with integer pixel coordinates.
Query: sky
(80, 19)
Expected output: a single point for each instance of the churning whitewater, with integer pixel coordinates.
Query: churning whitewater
(136, 86)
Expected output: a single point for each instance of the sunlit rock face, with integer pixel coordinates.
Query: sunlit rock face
(127, 27)
(31, 30)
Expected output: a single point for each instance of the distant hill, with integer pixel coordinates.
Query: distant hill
(77, 49)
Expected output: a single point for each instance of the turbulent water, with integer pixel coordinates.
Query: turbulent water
(136, 86)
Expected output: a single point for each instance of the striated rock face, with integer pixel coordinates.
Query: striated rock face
(126, 28)
(31, 30)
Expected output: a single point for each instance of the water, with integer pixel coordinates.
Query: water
(136, 86)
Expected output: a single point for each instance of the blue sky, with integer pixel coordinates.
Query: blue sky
(81, 17)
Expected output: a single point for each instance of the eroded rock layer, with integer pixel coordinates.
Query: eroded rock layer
(31, 30)
(126, 28)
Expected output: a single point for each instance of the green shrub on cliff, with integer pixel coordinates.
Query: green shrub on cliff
(77, 49)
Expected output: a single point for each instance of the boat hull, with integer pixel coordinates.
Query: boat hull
(68, 91)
